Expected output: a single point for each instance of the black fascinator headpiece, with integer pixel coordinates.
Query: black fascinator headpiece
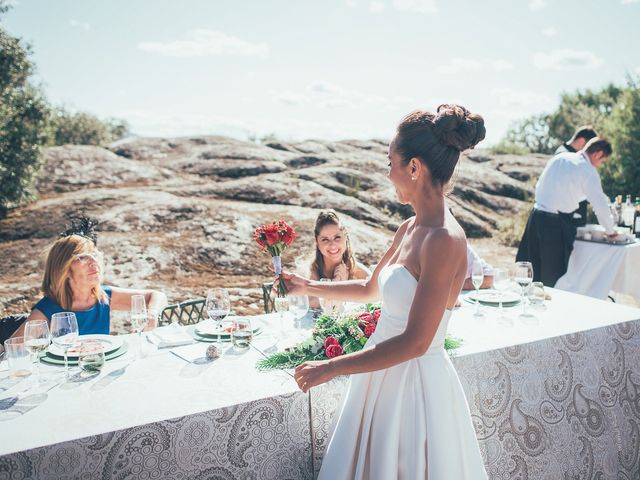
(83, 226)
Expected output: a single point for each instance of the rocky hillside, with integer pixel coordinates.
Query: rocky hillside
(178, 214)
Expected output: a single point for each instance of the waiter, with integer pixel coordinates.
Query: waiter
(568, 178)
(581, 136)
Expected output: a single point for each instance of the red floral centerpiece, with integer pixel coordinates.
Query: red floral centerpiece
(275, 238)
(335, 335)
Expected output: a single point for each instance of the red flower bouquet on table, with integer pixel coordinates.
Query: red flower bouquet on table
(335, 335)
(275, 238)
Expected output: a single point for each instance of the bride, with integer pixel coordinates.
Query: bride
(404, 414)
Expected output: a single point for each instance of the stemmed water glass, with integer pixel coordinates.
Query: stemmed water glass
(523, 275)
(139, 318)
(64, 333)
(281, 305)
(477, 277)
(218, 306)
(36, 340)
(298, 307)
(501, 283)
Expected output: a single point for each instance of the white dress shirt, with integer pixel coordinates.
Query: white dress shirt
(568, 179)
(472, 256)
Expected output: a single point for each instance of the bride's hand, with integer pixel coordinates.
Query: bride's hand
(294, 283)
(311, 374)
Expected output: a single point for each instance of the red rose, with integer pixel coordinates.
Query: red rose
(288, 236)
(369, 329)
(376, 316)
(333, 351)
(331, 341)
(272, 237)
(365, 317)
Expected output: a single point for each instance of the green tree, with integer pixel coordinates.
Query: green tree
(24, 115)
(621, 173)
(543, 133)
(82, 128)
(531, 134)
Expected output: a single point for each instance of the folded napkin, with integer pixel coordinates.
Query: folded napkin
(170, 336)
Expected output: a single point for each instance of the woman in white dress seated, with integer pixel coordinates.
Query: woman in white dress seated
(404, 414)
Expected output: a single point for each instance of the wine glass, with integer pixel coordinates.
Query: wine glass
(298, 307)
(139, 318)
(218, 307)
(501, 283)
(328, 305)
(36, 340)
(64, 333)
(281, 305)
(523, 275)
(477, 277)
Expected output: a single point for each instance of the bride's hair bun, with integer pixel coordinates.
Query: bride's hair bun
(437, 139)
(456, 127)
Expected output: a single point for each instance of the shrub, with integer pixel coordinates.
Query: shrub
(507, 147)
(82, 128)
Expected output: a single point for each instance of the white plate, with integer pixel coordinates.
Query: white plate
(109, 342)
(492, 297)
(210, 327)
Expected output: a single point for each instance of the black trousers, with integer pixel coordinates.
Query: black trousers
(547, 243)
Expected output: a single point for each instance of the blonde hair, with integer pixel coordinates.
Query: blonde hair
(55, 283)
(330, 217)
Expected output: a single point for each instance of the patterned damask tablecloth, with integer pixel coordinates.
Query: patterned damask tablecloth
(556, 400)
(565, 406)
(165, 418)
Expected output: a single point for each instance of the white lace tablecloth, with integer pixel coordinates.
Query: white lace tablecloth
(595, 269)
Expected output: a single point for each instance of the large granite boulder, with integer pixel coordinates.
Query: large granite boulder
(178, 213)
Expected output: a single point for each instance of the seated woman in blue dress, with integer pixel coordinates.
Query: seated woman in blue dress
(73, 283)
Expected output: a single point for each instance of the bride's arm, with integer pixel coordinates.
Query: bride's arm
(351, 290)
(437, 266)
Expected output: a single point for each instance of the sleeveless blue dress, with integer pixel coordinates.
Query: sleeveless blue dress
(97, 319)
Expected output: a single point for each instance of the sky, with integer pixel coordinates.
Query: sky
(327, 69)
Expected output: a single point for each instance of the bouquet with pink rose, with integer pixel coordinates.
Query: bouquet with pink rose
(333, 336)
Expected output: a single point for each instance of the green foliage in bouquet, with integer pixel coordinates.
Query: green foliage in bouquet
(335, 335)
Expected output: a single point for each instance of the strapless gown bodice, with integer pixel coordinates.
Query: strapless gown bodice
(397, 288)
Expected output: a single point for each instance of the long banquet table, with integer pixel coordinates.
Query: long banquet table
(556, 399)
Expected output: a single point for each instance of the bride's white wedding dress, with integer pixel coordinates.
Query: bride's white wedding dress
(410, 421)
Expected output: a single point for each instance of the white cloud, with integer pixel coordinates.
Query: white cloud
(203, 42)
(351, 3)
(566, 59)
(536, 5)
(77, 24)
(376, 6)
(148, 123)
(501, 65)
(327, 95)
(290, 98)
(629, 2)
(550, 32)
(417, 6)
(521, 99)
(457, 65)
(323, 87)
